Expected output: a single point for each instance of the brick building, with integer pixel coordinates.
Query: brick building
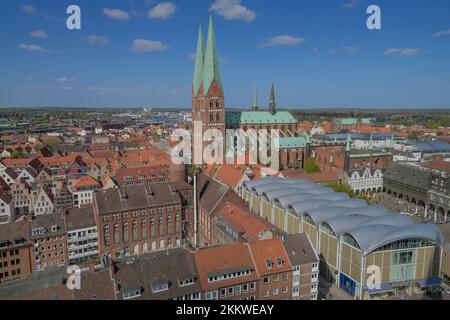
(273, 268)
(136, 219)
(49, 238)
(15, 252)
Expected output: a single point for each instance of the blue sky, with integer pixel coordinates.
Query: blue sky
(139, 53)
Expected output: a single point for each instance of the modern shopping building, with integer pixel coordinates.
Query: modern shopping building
(351, 237)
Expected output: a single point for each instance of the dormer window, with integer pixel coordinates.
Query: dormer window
(54, 228)
(160, 286)
(269, 264)
(280, 262)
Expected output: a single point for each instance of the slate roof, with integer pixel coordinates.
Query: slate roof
(136, 197)
(411, 175)
(150, 269)
(299, 249)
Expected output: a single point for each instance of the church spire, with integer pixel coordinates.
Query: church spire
(272, 103)
(371, 142)
(199, 60)
(211, 68)
(255, 106)
(348, 144)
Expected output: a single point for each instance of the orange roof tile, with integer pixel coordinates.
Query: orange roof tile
(224, 259)
(86, 181)
(273, 251)
(247, 224)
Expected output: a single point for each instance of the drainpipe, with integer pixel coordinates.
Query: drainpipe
(195, 210)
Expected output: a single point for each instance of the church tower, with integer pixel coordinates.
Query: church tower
(255, 106)
(208, 100)
(272, 103)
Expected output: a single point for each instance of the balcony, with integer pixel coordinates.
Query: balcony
(82, 255)
(87, 237)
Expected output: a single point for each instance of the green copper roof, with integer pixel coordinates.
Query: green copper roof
(211, 68)
(199, 60)
(292, 142)
(366, 120)
(258, 117)
(348, 121)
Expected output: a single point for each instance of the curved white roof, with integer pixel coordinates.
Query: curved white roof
(260, 182)
(329, 212)
(373, 236)
(302, 206)
(289, 190)
(349, 204)
(288, 199)
(266, 187)
(343, 223)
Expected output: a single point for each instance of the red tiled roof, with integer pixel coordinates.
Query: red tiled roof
(269, 251)
(226, 259)
(230, 174)
(248, 225)
(86, 181)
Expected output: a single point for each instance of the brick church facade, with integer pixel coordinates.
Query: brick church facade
(208, 111)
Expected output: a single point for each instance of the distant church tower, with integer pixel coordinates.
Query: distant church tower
(255, 106)
(208, 100)
(272, 103)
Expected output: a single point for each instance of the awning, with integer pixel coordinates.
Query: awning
(384, 287)
(429, 282)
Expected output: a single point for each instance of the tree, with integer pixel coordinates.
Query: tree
(414, 135)
(16, 154)
(340, 187)
(311, 166)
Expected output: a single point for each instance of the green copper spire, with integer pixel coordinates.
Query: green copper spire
(211, 68)
(348, 145)
(308, 138)
(371, 142)
(392, 142)
(255, 106)
(199, 60)
(272, 103)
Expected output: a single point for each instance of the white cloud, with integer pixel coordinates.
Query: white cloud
(39, 34)
(232, 10)
(64, 79)
(284, 40)
(143, 45)
(29, 9)
(116, 14)
(100, 40)
(192, 56)
(442, 33)
(164, 10)
(402, 52)
(315, 50)
(33, 47)
(350, 50)
(351, 4)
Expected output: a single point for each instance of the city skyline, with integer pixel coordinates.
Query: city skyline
(319, 55)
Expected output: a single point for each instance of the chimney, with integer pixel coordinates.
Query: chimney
(91, 266)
